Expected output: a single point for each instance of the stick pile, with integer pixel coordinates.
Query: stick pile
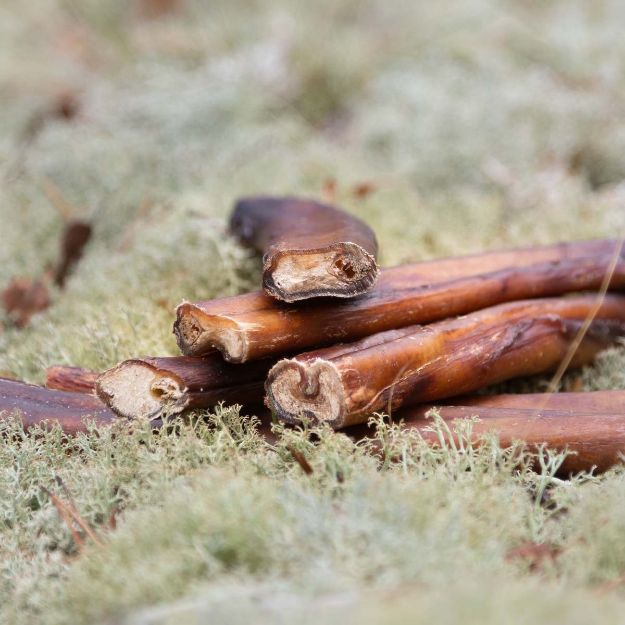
(387, 340)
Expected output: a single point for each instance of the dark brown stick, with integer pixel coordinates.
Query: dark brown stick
(248, 327)
(148, 388)
(590, 424)
(41, 406)
(344, 384)
(309, 249)
(72, 379)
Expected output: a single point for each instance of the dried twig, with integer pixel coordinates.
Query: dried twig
(71, 507)
(67, 516)
(309, 249)
(72, 379)
(252, 326)
(591, 425)
(149, 388)
(299, 457)
(343, 385)
(42, 406)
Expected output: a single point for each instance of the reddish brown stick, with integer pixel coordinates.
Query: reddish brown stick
(148, 388)
(344, 384)
(248, 327)
(71, 379)
(309, 249)
(601, 402)
(590, 424)
(41, 406)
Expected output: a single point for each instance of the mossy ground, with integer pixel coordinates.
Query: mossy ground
(451, 127)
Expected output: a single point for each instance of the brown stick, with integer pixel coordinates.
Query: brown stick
(590, 424)
(600, 402)
(309, 249)
(344, 384)
(41, 406)
(148, 388)
(248, 327)
(71, 379)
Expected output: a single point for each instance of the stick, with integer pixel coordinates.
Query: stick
(600, 402)
(309, 249)
(41, 406)
(71, 379)
(344, 384)
(590, 424)
(252, 326)
(148, 388)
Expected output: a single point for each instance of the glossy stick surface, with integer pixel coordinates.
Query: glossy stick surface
(42, 406)
(344, 384)
(149, 388)
(592, 425)
(309, 249)
(253, 326)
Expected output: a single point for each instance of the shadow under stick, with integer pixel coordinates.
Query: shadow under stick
(252, 326)
(344, 384)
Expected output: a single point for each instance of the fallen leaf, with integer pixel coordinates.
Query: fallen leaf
(535, 554)
(66, 106)
(75, 236)
(23, 298)
(157, 8)
(329, 190)
(364, 189)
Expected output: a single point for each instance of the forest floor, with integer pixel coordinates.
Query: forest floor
(451, 127)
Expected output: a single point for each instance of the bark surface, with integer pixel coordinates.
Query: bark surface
(41, 406)
(344, 384)
(309, 249)
(591, 425)
(72, 379)
(253, 326)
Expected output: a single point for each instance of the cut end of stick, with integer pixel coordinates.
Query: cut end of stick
(136, 390)
(306, 390)
(341, 270)
(198, 334)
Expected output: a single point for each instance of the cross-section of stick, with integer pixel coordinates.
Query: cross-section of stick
(344, 384)
(42, 406)
(252, 326)
(592, 425)
(309, 249)
(148, 388)
(72, 379)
